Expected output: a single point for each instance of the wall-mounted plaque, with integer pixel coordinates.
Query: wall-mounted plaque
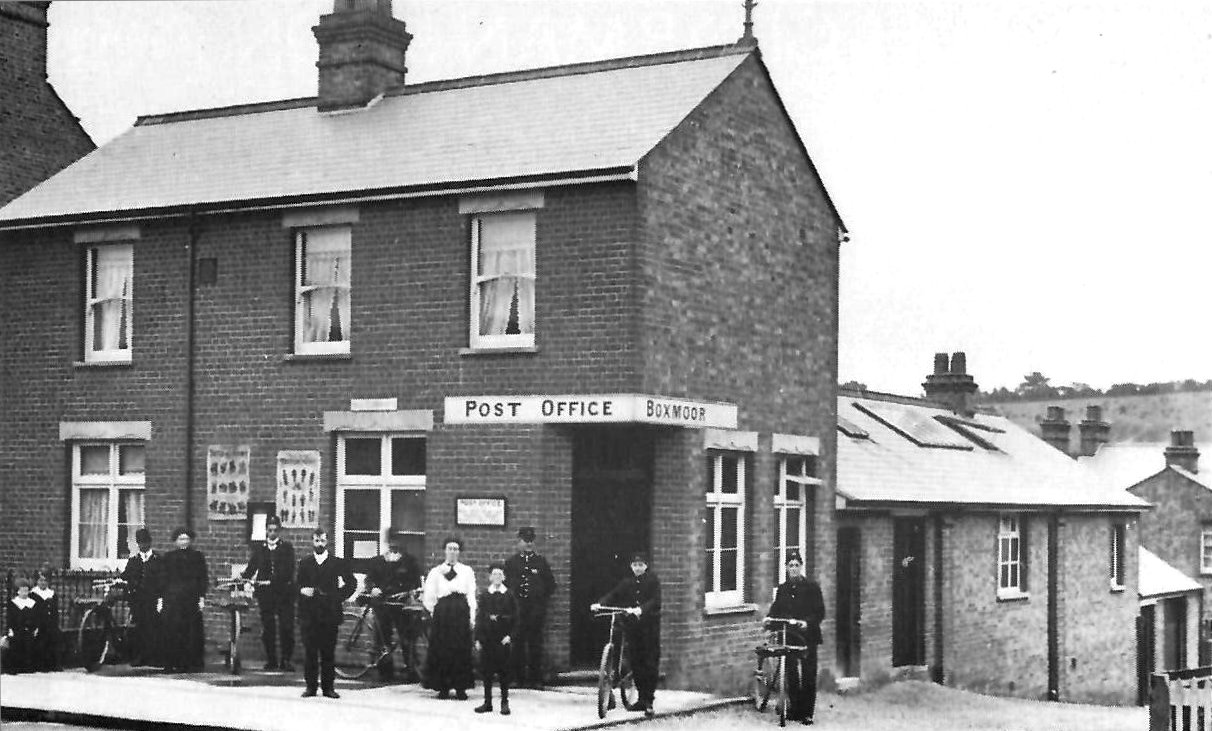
(480, 511)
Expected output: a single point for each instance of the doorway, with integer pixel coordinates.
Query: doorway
(1146, 657)
(849, 601)
(909, 592)
(611, 515)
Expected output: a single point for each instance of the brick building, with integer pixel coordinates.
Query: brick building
(970, 550)
(600, 299)
(39, 135)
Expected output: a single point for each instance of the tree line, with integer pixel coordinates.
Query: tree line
(1038, 387)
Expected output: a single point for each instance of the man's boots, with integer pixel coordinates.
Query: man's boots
(504, 700)
(486, 706)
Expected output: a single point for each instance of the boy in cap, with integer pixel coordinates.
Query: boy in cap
(496, 624)
(144, 577)
(273, 560)
(529, 577)
(641, 594)
(393, 573)
(799, 598)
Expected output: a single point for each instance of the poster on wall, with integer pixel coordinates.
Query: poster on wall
(227, 481)
(299, 488)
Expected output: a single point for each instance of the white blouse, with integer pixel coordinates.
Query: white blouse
(437, 586)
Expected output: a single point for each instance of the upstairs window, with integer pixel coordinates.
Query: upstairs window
(322, 290)
(1117, 556)
(108, 299)
(502, 281)
(1011, 557)
(724, 520)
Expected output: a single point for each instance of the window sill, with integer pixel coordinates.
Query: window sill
(503, 350)
(1117, 588)
(102, 363)
(1013, 596)
(304, 357)
(737, 609)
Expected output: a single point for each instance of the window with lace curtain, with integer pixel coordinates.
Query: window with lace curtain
(108, 299)
(107, 503)
(322, 290)
(502, 281)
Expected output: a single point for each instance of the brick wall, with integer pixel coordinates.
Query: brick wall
(39, 136)
(1172, 529)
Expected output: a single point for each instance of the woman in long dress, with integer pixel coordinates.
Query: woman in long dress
(450, 597)
(185, 588)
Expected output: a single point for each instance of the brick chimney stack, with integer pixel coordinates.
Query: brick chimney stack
(1182, 451)
(952, 387)
(1093, 430)
(361, 53)
(24, 28)
(1054, 429)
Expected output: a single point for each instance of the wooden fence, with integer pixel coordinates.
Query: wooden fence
(1181, 700)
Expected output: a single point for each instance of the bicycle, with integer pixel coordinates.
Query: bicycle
(100, 636)
(614, 670)
(773, 679)
(240, 601)
(362, 646)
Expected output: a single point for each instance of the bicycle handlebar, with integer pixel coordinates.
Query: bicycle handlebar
(785, 621)
(116, 581)
(607, 611)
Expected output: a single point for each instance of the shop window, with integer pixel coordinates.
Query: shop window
(724, 519)
(109, 290)
(107, 503)
(323, 304)
(503, 280)
(792, 506)
(1011, 557)
(1117, 556)
(380, 488)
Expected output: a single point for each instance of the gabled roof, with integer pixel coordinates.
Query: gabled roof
(918, 452)
(585, 121)
(1125, 464)
(1158, 578)
(1197, 480)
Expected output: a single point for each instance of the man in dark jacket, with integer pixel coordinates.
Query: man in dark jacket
(496, 625)
(387, 576)
(641, 594)
(799, 598)
(144, 577)
(324, 583)
(529, 577)
(273, 560)
(184, 595)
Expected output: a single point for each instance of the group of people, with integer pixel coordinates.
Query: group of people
(31, 638)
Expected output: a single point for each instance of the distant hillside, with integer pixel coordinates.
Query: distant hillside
(1132, 418)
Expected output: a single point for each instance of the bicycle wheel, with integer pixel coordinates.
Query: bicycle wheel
(605, 670)
(761, 683)
(626, 683)
(93, 638)
(781, 684)
(358, 646)
(418, 650)
(233, 652)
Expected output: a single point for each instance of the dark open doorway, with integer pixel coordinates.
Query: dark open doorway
(849, 601)
(611, 517)
(909, 592)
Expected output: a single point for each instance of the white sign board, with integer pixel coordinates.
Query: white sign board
(479, 511)
(628, 408)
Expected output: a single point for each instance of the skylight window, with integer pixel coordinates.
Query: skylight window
(915, 424)
(969, 429)
(850, 429)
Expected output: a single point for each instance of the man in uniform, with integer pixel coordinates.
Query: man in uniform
(529, 577)
(273, 560)
(394, 572)
(799, 598)
(641, 595)
(144, 577)
(324, 582)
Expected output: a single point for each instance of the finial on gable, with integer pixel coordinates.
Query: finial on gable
(747, 38)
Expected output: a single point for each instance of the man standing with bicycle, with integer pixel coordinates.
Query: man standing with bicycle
(144, 577)
(529, 577)
(273, 560)
(641, 594)
(799, 598)
(324, 583)
(389, 575)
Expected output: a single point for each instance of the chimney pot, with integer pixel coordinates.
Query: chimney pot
(955, 390)
(1182, 451)
(959, 364)
(362, 48)
(1094, 412)
(1054, 429)
(1093, 431)
(940, 364)
(1056, 413)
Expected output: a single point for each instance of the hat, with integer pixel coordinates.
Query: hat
(274, 521)
(526, 534)
(395, 542)
(142, 536)
(182, 529)
(639, 556)
(496, 565)
(795, 556)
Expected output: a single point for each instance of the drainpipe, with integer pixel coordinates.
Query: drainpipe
(1053, 607)
(190, 260)
(938, 674)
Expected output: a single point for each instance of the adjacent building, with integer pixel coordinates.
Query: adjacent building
(599, 299)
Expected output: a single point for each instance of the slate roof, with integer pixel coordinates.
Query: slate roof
(917, 452)
(1125, 464)
(1158, 578)
(578, 120)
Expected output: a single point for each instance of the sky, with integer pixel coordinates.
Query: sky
(1028, 182)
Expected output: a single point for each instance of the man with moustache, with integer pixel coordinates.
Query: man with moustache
(274, 561)
(324, 582)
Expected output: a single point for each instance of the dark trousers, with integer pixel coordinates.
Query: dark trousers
(528, 644)
(395, 620)
(644, 648)
(145, 634)
(319, 644)
(495, 662)
(801, 684)
(277, 627)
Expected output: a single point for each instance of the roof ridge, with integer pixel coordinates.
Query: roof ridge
(503, 77)
(895, 398)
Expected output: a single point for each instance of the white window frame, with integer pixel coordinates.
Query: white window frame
(1119, 534)
(1010, 556)
(520, 340)
(311, 347)
(782, 504)
(717, 501)
(1205, 546)
(90, 303)
(115, 483)
(385, 482)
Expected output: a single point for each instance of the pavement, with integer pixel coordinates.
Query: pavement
(257, 701)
